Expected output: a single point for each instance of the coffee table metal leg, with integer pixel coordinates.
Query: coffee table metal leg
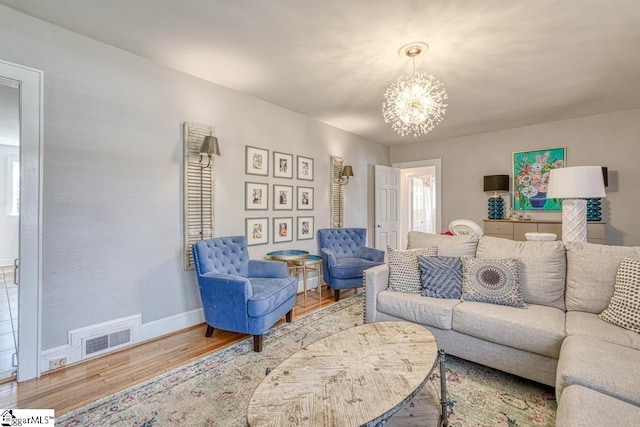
(444, 421)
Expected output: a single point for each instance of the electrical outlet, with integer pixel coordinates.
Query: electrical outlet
(57, 363)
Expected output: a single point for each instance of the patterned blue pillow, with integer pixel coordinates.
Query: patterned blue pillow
(441, 276)
(494, 281)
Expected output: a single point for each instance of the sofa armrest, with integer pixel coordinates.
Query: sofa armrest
(371, 254)
(267, 269)
(376, 279)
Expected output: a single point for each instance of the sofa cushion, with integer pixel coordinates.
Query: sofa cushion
(269, 294)
(538, 329)
(624, 308)
(543, 272)
(601, 366)
(447, 245)
(589, 324)
(434, 312)
(581, 407)
(404, 273)
(348, 268)
(441, 276)
(591, 274)
(494, 281)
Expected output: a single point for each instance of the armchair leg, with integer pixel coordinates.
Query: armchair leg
(336, 294)
(289, 316)
(257, 343)
(209, 331)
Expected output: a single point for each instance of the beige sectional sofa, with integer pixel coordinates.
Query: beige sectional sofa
(558, 339)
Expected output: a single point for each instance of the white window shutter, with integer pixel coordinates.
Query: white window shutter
(337, 196)
(197, 192)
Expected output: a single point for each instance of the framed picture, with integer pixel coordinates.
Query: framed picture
(305, 228)
(256, 196)
(305, 168)
(282, 165)
(257, 231)
(282, 230)
(256, 161)
(282, 197)
(531, 178)
(305, 198)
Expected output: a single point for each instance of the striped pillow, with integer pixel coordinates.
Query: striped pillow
(441, 276)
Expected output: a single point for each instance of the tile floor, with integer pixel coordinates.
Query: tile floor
(8, 323)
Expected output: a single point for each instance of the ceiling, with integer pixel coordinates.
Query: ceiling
(504, 63)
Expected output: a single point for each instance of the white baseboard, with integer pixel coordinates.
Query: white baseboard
(146, 331)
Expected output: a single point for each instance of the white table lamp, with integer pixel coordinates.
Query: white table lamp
(574, 184)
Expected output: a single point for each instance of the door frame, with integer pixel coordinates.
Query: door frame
(31, 83)
(437, 163)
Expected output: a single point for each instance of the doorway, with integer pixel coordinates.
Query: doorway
(420, 203)
(421, 192)
(24, 201)
(9, 225)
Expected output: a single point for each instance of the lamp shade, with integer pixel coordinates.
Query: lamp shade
(577, 182)
(605, 175)
(210, 146)
(347, 171)
(496, 183)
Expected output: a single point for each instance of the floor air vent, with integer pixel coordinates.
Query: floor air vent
(100, 344)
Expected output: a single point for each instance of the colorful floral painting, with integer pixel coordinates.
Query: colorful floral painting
(531, 178)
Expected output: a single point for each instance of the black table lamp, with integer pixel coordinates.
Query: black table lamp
(496, 184)
(594, 205)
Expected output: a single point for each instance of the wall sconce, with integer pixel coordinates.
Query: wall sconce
(209, 148)
(347, 172)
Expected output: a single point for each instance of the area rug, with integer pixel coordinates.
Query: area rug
(215, 390)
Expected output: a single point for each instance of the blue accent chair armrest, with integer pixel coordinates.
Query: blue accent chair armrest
(372, 254)
(346, 257)
(267, 269)
(238, 294)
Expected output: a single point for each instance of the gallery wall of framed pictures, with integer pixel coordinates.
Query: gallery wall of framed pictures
(286, 195)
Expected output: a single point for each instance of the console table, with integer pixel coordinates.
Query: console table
(515, 230)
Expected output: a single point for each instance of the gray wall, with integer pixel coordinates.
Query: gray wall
(113, 178)
(608, 140)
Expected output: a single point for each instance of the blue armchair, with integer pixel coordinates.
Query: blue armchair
(345, 257)
(239, 294)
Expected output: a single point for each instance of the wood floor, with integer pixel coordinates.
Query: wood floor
(79, 384)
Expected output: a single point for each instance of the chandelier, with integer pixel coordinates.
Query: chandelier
(414, 104)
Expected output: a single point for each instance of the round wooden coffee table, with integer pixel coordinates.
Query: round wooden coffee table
(357, 377)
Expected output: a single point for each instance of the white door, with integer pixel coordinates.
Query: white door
(387, 199)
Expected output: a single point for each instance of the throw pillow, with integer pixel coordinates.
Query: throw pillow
(404, 273)
(624, 308)
(494, 281)
(441, 276)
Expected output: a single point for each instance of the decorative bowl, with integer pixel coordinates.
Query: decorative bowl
(540, 237)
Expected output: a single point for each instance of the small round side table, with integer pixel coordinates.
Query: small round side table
(295, 262)
(314, 263)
